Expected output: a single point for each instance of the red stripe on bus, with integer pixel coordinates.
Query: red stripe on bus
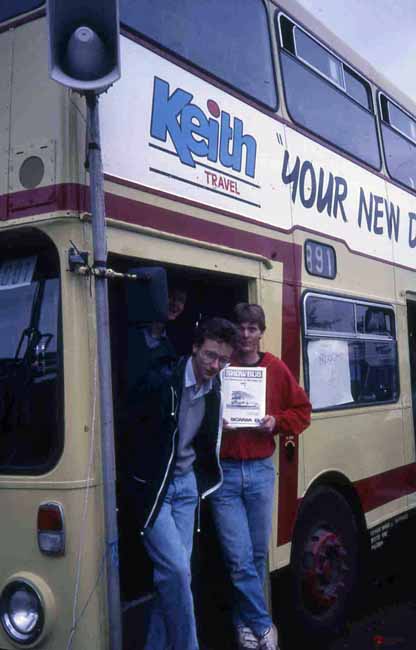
(76, 197)
(377, 490)
(3, 207)
(42, 200)
(373, 491)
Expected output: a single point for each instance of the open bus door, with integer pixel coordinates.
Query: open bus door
(208, 294)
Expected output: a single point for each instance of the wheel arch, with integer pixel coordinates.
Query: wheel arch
(339, 482)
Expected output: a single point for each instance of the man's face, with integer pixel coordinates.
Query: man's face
(176, 304)
(249, 337)
(209, 358)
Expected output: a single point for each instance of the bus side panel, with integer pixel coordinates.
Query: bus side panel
(76, 581)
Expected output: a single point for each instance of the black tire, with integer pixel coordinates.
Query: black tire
(325, 563)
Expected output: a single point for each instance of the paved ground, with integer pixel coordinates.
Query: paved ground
(386, 619)
(392, 628)
(388, 622)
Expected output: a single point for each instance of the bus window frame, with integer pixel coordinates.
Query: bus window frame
(371, 110)
(344, 63)
(345, 336)
(194, 68)
(309, 64)
(57, 449)
(401, 108)
(383, 122)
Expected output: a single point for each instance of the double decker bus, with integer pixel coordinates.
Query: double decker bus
(253, 156)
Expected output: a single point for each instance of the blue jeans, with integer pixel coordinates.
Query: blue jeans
(242, 509)
(169, 544)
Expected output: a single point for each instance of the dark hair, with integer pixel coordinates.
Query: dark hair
(216, 329)
(245, 312)
(177, 288)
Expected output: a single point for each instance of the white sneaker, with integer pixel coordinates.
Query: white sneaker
(269, 639)
(246, 638)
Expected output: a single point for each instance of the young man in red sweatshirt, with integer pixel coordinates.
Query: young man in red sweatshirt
(243, 506)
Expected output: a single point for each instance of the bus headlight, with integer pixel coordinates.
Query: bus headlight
(21, 612)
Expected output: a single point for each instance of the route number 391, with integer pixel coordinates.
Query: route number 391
(320, 259)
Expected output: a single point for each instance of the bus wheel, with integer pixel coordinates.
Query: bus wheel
(324, 563)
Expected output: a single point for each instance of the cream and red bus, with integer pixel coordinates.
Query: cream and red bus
(253, 156)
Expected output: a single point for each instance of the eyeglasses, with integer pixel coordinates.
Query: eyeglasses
(212, 357)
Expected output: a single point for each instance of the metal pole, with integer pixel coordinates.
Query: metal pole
(104, 372)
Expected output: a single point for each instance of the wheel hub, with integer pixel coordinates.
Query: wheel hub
(324, 569)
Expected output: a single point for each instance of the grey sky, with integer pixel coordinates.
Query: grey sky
(382, 31)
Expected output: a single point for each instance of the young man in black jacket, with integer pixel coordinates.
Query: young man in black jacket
(174, 460)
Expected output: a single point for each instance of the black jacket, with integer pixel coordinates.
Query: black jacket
(153, 438)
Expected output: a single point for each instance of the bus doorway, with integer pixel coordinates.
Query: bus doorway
(411, 328)
(208, 294)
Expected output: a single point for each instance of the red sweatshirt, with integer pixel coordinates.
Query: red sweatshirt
(285, 400)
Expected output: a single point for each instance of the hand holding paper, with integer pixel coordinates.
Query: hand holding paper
(267, 424)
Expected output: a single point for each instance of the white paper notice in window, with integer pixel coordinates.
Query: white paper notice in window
(329, 373)
(17, 273)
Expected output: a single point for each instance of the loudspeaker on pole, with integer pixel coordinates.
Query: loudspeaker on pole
(84, 43)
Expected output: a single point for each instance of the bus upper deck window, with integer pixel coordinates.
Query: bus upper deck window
(357, 89)
(308, 50)
(324, 95)
(402, 122)
(318, 57)
(398, 130)
(229, 40)
(12, 8)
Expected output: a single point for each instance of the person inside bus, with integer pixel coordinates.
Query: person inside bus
(151, 356)
(242, 507)
(151, 344)
(175, 459)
